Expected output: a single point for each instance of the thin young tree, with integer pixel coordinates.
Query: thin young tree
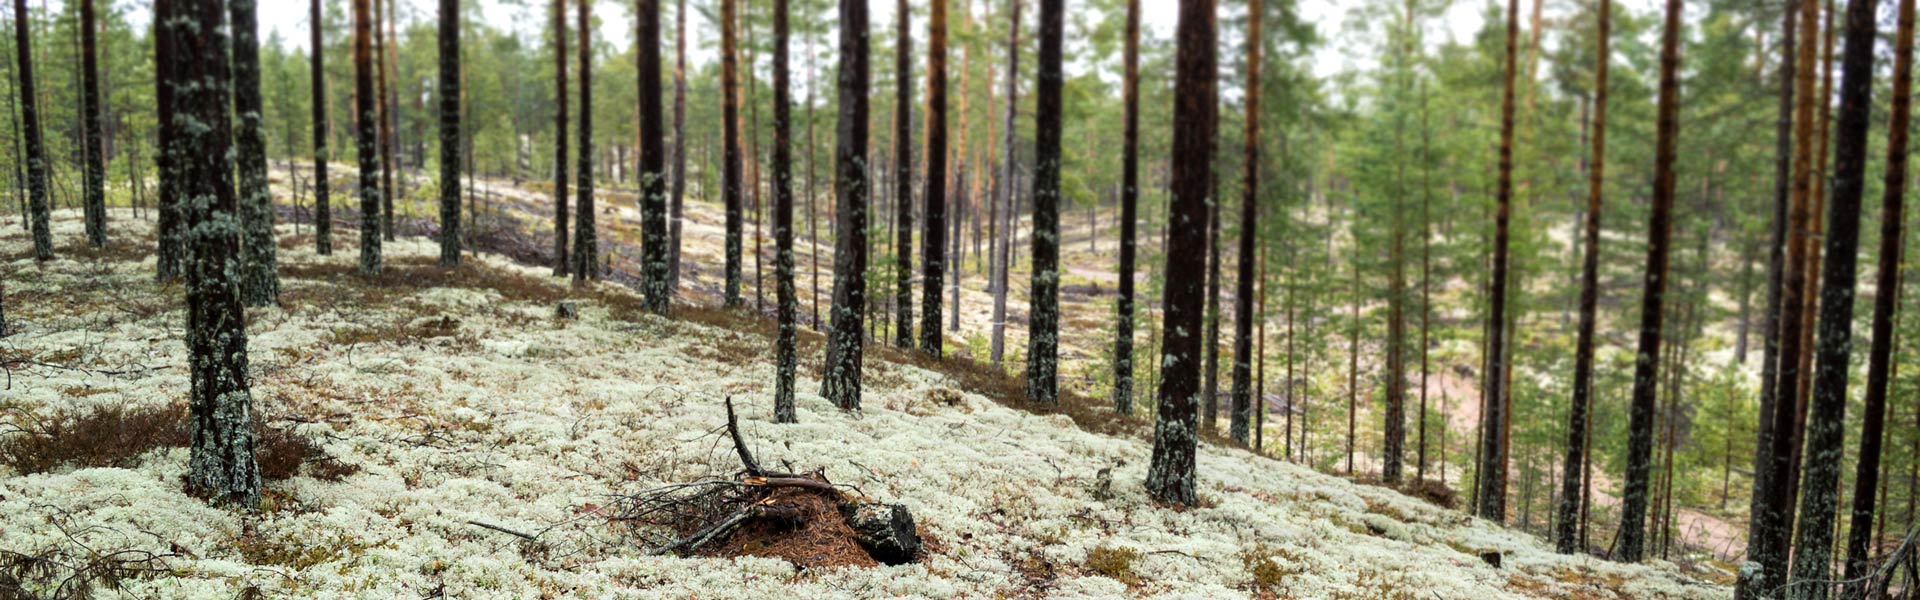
(1001, 259)
(1646, 376)
(841, 382)
(730, 133)
(562, 266)
(95, 206)
(259, 276)
(1129, 213)
(365, 140)
(785, 359)
(322, 209)
(1242, 403)
(1826, 413)
(1490, 480)
(449, 133)
(168, 253)
(1043, 319)
(679, 144)
(1566, 539)
(1170, 476)
(933, 245)
(656, 244)
(382, 50)
(220, 465)
(903, 177)
(37, 206)
(586, 242)
(1885, 303)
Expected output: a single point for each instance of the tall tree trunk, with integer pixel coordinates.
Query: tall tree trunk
(1210, 378)
(841, 382)
(17, 158)
(680, 148)
(364, 141)
(1170, 477)
(95, 207)
(813, 224)
(1426, 284)
(1043, 331)
(658, 247)
(1129, 214)
(322, 207)
(450, 133)
(1353, 365)
(1565, 536)
(903, 177)
(220, 466)
(38, 209)
(730, 130)
(561, 265)
(1826, 415)
(586, 243)
(785, 360)
(753, 164)
(933, 247)
(1490, 496)
(259, 279)
(1242, 402)
(385, 111)
(1002, 258)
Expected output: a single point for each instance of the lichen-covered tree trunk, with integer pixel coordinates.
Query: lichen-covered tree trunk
(95, 206)
(322, 209)
(841, 382)
(1641, 409)
(730, 134)
(1885, 306)
(449, 133)
(1129, 213)
(1490, 478)
(167, 255)
(679, 146)
(657, 245)
(1826, 421)
(1043, 320)
(586, 243)
(364, 139)
(38, 210)
(933, 247)
(785, 359)
(1001, 259)
(1170, 475)
(1243, 357)
(259, 276)
(1566, 539)
(903, 177)
(562, 266)
(1210, 379)
(220, 466)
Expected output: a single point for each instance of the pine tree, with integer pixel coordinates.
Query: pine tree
(586, 246)
(1001, 259)
(1129, 214)
(37, 206)
(382, 53)
(449, 133)
(679, 147)
(1249, 230)
(1566, 540)
(365, 141)
(168, 254)
(220, 465)
(785, 360)
(903, 177)
(1170, 476)
(322, 209)
(841, 382)
(1043, 319)
(562, 266)
(730, 133)
(259, 278)
(95, 206)
(656, 251)
(1490, 481)
(933, 245)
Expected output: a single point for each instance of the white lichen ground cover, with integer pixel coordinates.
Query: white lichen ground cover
(497, 412)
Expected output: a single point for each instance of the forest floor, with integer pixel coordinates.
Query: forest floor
(421, 404)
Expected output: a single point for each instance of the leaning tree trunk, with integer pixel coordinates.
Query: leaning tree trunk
(259, 277)
(657, 254)
(1826, 420)
(95, 207)
(1490, 481)
(933, 248)
(220, 465)
(1885, 302)
(730, 132)
(364, 141)
(1170, 477)
(841, 382)
(1129, 213)
(586, 243)
(679, 148)
(785, 358)
(903, 178)
(322, 210)
(36, 149)
(1566, 538)
(1249, 230)
(560, 262)
(449, 133)
(1043, 320)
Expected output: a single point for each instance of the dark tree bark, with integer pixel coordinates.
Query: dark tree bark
(168, 255)
(37, 207)
(1129, 213)
(658, 248)
(95, 207)
(1426, 286)
(586, 242)
(381, 52)
(322, 208)
(679, 147)
(1886, 297)
(841, 382)
(365, 140)
(259, 278)
(813, 214)
(1825, 437)
(1210, 379)
(1002, 259)
(1170, 477)
(1652, 308)
(785, 359)
(1242, 403)
(220, 466)
(933, 247)
(450, 133)
(903, 177)
(1566, 539)
(1490, 477)
(561, 264)
(1043, 320)
(730, 171)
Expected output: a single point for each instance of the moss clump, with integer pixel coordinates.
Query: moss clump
(1263, 564)
(1113, 563)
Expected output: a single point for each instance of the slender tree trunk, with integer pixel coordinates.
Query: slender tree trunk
(903, 177)
(1129, 214)
(680, 149)
(17, 158)
(1490, 497)
(1353, 366)
(38, 209)
(1007, 182)
(449, 133)
(752, 167)
(1565, 534)
(1170, 477)
(730, 131)
(785, 355)
(561, 264)
(1242, 400)
(322, 207)
(95, 208)
(259, 278)
(1210, 379)
(1426, 281)
(586, 243)
(659, 248)
(933, 248)
(813, 225)
(841, 382)
(385, 124)
(365, 140)
(1043, 331)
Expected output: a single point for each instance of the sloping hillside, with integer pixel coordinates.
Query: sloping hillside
(436, 401)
